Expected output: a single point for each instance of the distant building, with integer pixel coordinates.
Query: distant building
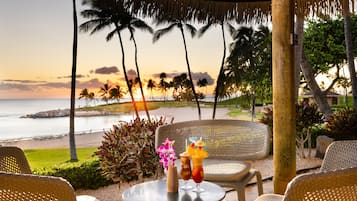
(332, 97)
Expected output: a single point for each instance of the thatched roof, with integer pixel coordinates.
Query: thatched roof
(218, 10)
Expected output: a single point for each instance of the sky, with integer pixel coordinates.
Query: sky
(36, 52)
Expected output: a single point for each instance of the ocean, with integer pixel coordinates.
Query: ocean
(12, 127)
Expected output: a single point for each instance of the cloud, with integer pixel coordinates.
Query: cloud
(10, 86)
(55, 85)
(198, 76)
(106, 70)
(23, 81)
(93, 83)
(70, 76)
(131, 74)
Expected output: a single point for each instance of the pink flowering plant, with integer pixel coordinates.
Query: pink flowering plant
(167, 153)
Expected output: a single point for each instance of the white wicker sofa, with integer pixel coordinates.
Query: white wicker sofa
(229, 143)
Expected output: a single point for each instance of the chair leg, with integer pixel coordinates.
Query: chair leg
(241, 193)
(259, 182)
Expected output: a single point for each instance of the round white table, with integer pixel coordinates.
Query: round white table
(156, 190)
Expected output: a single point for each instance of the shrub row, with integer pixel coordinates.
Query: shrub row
(84, 175)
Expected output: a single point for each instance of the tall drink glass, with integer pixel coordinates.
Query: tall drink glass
(197, 172)
(185, 170)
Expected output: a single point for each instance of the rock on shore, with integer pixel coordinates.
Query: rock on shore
(65, 113)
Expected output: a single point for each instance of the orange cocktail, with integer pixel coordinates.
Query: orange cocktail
(197, 170)
(185, 169)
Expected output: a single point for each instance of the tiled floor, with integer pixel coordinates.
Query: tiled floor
(251, 192)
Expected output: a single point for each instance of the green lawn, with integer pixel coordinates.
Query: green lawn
(152, 105)
(44, 158)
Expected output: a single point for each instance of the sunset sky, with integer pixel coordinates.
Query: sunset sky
(36, 51)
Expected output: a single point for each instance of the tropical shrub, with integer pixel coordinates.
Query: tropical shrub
(307, 117)
(343, 124)
(84, 175)
(267, 117)
(128, 151)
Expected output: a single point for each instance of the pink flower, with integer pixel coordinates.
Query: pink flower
(167, 153)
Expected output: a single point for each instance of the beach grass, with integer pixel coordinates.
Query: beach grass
(46, 158)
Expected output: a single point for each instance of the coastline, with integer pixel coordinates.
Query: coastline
(65, 113)
(83, 140)
(93, 139)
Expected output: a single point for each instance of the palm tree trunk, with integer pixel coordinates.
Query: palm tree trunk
(140, 83)
(125, 74)
(220, 74)
(189, 74)
(349, 49)
(315, 89)
(72, 143)
(299, 30)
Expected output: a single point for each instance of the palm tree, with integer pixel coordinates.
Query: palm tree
(116, 92)
(84, 94)
(220, 74)
(249, 61)
(181, 25)
(151, 85)
(91, 96)
(133, 23)
(202, 83)
(349, 49)
(102, 14)
(163, 84)
(72, 143)
(105, 92)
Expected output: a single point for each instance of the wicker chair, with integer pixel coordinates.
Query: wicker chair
(339, 155)
(15, 187)
(228, 142)
(335, 185)
(13, 159)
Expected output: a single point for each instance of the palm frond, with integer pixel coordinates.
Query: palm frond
(110, 35)
(203, 29)
(89, 25)
(131, 30)
(100, 26)
(161, 32)
(90, 13)
(231, 29)
(191, 29)
(142, 25)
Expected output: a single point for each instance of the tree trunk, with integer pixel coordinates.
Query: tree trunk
(125, 74)
(140, 83)
(349, 49)
(299, 30)
(220, 74)
(315, 89)
(189, 74)
(253, 106)
(72, 143)
(283, 95)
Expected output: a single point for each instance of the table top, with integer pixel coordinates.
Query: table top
(156, 190)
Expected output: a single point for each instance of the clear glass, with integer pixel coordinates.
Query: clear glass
(197, 173)
(185, 171)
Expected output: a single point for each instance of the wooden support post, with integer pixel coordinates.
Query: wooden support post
(283, 94)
